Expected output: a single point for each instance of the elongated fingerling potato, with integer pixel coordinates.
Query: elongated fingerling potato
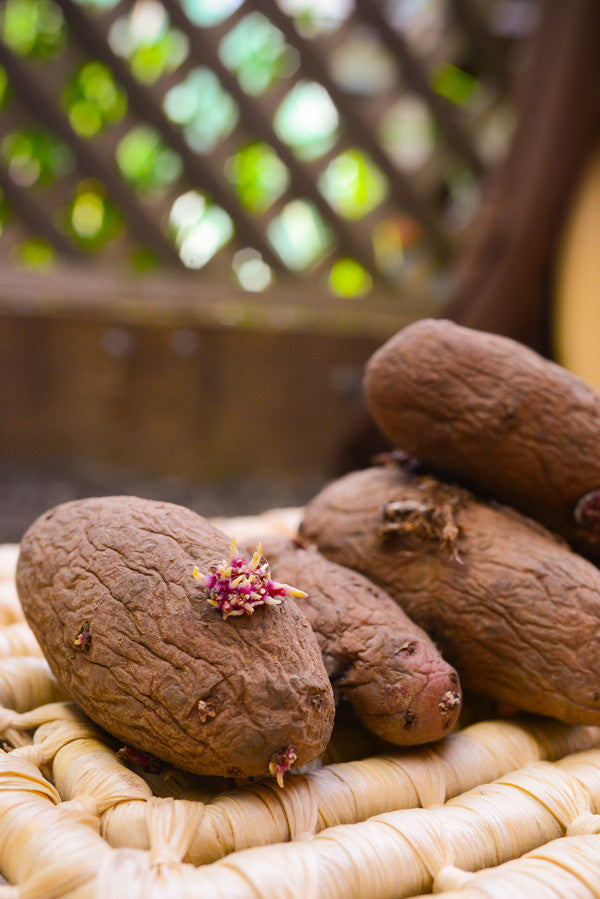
(510, 606)
(496, 416)
(387, 667)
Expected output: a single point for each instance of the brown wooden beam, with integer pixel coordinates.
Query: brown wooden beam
(93, 292)
(502, 277)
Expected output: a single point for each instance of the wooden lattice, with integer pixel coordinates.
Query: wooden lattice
(109, 154)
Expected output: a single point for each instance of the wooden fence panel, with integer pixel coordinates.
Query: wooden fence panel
(375, 205)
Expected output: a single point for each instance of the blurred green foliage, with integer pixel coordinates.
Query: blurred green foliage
(35, 254)
(91, 219)
(348, 278)
(145, 161)
(33, 27)
(143, 260)
(352, 184)
(93, 99)
(299, 235)
(4, 211)
(258, 176)
(315, 17)
(101, 4)
(146, 39)
(209, 12)
(257, 52)
(251, 270)
(4, 87)
(454, 83)
(301, 111)
(199, 228)
(307, 120)
(199, 104)
(35, 157)
(150, 61)
(408, 132)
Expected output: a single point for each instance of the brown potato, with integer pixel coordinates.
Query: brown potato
(497, 417)
(509, 605)
(107, 587)
(386, 666)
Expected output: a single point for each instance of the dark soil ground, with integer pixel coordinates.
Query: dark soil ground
(28, 490)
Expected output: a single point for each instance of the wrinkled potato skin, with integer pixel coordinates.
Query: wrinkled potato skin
(386, 666)
(495, 416)
(123, 567)
(509, 605)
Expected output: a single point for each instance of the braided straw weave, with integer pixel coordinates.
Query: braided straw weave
(503, 808)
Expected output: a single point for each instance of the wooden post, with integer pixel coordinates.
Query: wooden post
(503, 275)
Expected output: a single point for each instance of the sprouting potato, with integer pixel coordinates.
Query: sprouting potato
(497, 417)
(509, 604)
(174, 643)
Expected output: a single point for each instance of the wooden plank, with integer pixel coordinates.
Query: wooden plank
(95, 292)
(210, 403)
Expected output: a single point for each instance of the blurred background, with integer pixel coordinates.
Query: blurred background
(211, 213)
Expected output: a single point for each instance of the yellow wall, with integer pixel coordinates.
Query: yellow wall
(576, 318)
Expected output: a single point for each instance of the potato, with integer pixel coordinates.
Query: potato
(386, 666)
(107, 586)
(510, 606)
(497, 417)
